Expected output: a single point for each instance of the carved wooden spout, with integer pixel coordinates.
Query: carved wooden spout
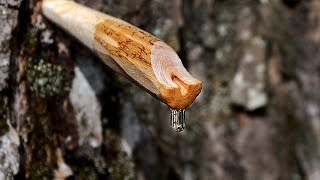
(136, 54)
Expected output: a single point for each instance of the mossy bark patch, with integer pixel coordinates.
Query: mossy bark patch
(4, 115)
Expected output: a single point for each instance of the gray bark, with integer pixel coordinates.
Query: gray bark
(64, 114)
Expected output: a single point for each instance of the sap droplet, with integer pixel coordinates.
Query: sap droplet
(177, 121)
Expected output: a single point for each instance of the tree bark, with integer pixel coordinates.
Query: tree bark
(64, 114)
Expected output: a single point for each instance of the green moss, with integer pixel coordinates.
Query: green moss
(91, 164)
(3, 115)
(40, 171)
(42, 142)
(46, 127)
(120, 166)
(87, 173)
(94, 156)
(31, 40)
(45, 79)
(44, 158)
(4, 46)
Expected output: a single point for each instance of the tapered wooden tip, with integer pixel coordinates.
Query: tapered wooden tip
(136, 54)
(178, 88)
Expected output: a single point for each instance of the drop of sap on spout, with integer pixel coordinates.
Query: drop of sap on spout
(177, 121)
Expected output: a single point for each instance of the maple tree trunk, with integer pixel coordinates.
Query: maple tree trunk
(64, 114)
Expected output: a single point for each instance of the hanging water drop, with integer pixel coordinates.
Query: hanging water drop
(178, 119)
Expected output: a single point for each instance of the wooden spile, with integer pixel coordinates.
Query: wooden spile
(136, 54)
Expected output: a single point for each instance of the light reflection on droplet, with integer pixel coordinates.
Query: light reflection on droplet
(177, 121)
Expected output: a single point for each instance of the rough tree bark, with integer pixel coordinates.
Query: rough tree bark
(63, 114)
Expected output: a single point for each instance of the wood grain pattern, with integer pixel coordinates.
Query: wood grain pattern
(136, 54)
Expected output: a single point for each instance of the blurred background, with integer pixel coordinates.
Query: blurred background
(65, 115)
